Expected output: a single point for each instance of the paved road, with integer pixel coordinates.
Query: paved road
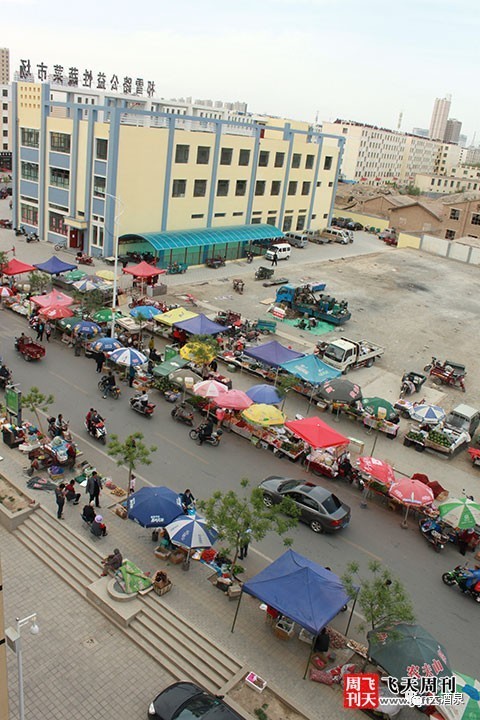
(374, 533)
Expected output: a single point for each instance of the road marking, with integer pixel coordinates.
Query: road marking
(362, 549)
(68, 382)
(182, 448)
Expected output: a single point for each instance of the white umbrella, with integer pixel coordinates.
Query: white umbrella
(428, 414)
(5, 291)
(85, 285)
(128, 356)
(209, 388)
(191, 532)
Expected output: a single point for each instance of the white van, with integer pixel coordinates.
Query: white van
(298, 240)
(283, 250)
(332, 234)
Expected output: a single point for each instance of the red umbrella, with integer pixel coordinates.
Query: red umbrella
(411, 492)
(233, 400)
(53, 298)
(377, 469)
(15, 267)
(56, 312)
(316, 433)
(144, 270)
(5, 291)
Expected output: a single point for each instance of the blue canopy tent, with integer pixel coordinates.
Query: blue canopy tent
(200, 325)
(301, 590)
(54, 266)
(272, 353)
(311, 369)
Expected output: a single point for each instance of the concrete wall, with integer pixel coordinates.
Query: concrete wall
(406, 240)
(368, 220)
(452, 250)
(3, 658)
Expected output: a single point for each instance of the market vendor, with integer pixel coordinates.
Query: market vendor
(112, 562)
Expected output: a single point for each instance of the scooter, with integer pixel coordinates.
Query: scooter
(32, 237)
(139, 407)
(98, 432)
(433, 535)
(238, 286)
(457, 577)
(5, 377)
(112, 391)
(182, 414)
(84, 259)
(213, 439)
(249, 257)
(20, 231)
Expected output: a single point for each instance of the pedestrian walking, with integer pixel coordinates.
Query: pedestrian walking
(100, 359)
(244, 543)
(131, 485)
(60, 500)
(274, 259)
(131, 375)
(48, 331)
(40, 330)
(94, 488)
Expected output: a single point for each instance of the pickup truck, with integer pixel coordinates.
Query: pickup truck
(345, 354)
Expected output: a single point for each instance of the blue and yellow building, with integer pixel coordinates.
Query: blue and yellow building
(181, 186)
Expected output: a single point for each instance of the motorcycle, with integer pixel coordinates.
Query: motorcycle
(98, 431)
(111, 390)
(458, 577)
(139, 407)
(5, 377)
(238, 286)
(20, 231)
(83, 259)
(182, 414)
(213, 439)
(433, 363)
(52, 431)
(433, 534)
(32, 237)
(249, 257)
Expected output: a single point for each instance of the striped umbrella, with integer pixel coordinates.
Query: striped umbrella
(5, 291)
(461, 513)
(209, 388)
(128, 357)
(85, 285)
(428, 414)
(191, 532)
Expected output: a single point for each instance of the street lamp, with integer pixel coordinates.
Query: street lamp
(115, 255)
(14, 643)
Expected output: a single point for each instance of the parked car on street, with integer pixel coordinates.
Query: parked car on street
(319, 508)
(185, 700)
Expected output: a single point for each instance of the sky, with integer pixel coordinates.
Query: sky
(363, 60)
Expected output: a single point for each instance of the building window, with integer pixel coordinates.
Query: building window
(197, 216)
(56, 223)
(279, 159)
(237, 214)
(292, 187)
(222, 188)
(244, 157)
(450, 234)
(300, 222)
(296, 160)
(226, 156)
(29, 171)
(241, 187)
(200, 188)
(5, 120)
(454, 214)
(272, 220)
(327, 165)
(203, 155)
(60, 142)
(260, 187)
(256, 221)
(4, 93)
(287, 224)
(101, 149)
(330, 184)
(179, 188)
(263, 158)
(305, 188)
(219, 215)
(60, 178)
(99, 185)
(181, 153)
(5, 106)
(30, 138)
(475, 219)
(98, 234)
(29, 214)
(309, 160)
(276, 184)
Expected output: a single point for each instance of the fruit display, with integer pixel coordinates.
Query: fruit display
(439, 438)
(415, 436)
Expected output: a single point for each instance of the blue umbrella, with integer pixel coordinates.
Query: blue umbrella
(191, 532)
(146, 312)
(85, 327)
(154, 506)
(428, 414)
(265, 394)
(106, 344)
(128, 357)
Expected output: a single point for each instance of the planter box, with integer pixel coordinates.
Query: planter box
(255, 682)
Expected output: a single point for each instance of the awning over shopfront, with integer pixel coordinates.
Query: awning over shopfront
(201, 237)
(311, 369)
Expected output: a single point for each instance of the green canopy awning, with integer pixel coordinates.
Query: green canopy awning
(169, 366)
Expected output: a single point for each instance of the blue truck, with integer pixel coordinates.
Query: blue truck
(309, 300)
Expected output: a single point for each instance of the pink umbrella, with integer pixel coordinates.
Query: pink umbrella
(56, 312)
(233, 400)
(411, 492)
(377, 469)
(5, 291)
(209, 388)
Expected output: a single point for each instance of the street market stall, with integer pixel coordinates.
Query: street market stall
(200, 325)
(311, 372)
(55, 266)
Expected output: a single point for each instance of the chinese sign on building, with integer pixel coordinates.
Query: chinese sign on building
(73, 77)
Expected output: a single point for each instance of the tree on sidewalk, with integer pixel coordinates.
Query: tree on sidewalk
(381, 596)
(244, 516)
(131, 452)
(37, 402)
(38, 281)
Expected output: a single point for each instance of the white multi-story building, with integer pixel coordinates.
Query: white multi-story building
(5, 118)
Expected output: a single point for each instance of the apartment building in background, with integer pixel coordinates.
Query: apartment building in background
(461, 218)
(79, 157)
(4, 66)
(459, 179)
(438, 122)
(453, 129)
